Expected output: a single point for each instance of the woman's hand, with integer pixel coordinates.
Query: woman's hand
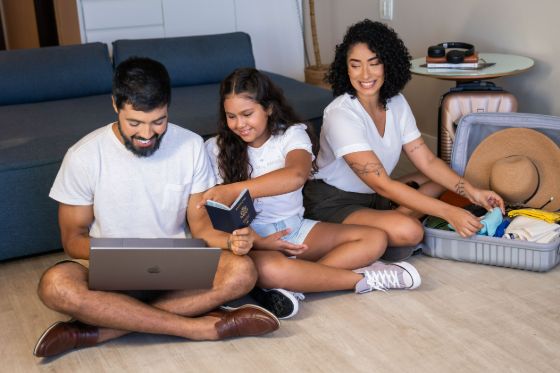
(276, 243)
(485, 198)
(224, 194)
(241, 241)
(465, 223)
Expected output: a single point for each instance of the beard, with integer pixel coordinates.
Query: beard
(140, 152)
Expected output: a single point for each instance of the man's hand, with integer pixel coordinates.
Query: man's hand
(241, 241)
(276, 243)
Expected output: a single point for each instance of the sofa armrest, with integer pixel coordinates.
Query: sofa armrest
(192, 60)
(54, 73)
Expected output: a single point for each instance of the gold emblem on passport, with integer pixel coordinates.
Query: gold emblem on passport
(244, 213)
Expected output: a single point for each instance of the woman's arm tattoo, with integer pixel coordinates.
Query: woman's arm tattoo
(367, 168)
(460, 187)
(416, 147)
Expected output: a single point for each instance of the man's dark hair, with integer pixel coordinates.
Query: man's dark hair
(141, 82)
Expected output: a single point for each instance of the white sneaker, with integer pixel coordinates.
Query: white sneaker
(381, 276)
(282, 303)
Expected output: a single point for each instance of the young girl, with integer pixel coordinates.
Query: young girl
(262, 146)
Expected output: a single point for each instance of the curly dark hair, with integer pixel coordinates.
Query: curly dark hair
(390, 50)
(233, 158)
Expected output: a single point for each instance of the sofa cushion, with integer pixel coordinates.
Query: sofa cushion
(54, 73)
(28, 223)
(192, 60)
(41, 133)
(308, 100)
(35, 137)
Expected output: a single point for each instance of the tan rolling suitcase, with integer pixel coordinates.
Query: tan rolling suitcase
(478, 97)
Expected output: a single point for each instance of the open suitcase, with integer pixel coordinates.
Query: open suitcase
(466, 98)
(472, 129)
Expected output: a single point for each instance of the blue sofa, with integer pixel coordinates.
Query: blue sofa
(51, 97)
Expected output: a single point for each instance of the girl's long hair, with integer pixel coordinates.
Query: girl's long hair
(233, 158)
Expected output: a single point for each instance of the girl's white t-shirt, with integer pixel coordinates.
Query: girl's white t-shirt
(348, 128)
(269, 157)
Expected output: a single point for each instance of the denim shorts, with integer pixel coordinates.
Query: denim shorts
(300, 228)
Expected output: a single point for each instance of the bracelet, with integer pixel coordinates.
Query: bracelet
(229, 243)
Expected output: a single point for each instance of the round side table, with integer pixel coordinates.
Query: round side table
(473, 88)
(504, 64)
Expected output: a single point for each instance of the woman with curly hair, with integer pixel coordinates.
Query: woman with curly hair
(262, 146)
(364, 130)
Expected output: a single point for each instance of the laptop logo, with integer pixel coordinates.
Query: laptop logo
(154, 269)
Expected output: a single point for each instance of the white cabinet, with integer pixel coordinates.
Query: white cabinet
(189, 17)
(274, 25)
(108, 20)
(103, 14)
(275, 30)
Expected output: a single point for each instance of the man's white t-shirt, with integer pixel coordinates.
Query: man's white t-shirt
(348, 128)
(269, 157)
(140, 197)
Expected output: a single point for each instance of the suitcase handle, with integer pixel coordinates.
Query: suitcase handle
(477, 85)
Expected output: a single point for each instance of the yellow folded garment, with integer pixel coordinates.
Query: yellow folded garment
(549, 217)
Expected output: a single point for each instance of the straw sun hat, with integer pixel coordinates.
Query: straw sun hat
(521, 165)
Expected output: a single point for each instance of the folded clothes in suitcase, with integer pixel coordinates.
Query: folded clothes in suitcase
(471, 131)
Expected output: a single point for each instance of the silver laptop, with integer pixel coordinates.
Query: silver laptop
(151, 264)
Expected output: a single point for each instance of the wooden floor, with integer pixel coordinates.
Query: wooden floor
(464, 318)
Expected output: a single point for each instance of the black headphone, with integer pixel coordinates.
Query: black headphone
(453, 56)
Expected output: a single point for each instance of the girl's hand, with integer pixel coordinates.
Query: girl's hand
(224, 194)
(465, 223)
(275, 242)
(241, 241)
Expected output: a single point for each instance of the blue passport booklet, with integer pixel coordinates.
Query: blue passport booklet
(229, 218)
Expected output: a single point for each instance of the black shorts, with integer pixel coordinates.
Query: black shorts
(325, 202)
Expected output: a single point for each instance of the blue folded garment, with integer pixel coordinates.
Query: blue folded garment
(502, 227)
(491, 221)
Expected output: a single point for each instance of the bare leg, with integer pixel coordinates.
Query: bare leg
(334, 250)
(427, 187)
(417, 177)
(278, 271)
(401, 229)
(64, 288)
(344, 246)
(235, 277)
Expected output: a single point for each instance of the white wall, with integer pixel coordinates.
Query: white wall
(274, 25)
(501, 26)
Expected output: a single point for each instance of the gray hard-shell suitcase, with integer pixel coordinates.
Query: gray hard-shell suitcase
(472, 129)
